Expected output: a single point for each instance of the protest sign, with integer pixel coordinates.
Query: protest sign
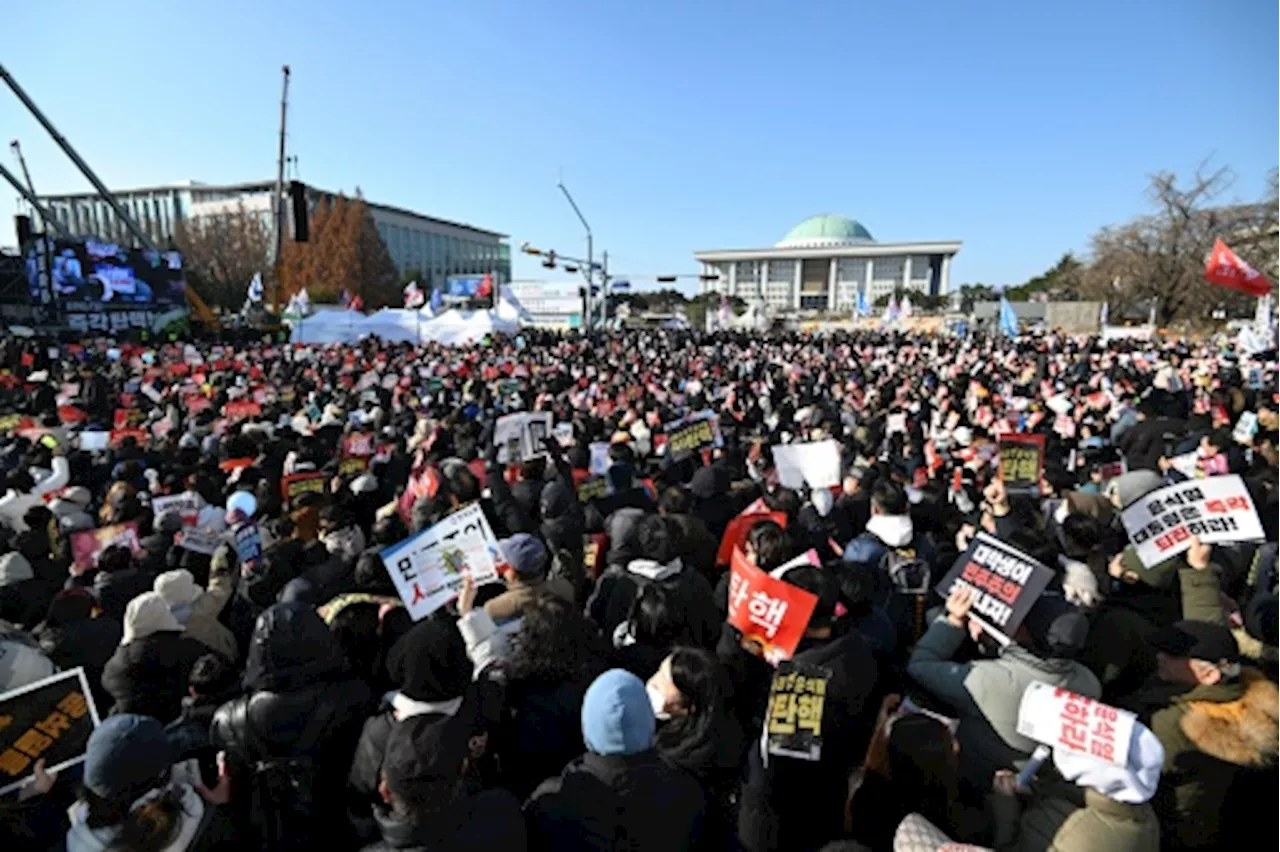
(699, 431)
(771, 614)
(186, 504)
(87, 544)
(242, 409)
(1005, 582)
(1246, 428)
(294, 486)
(812, 465)
(520, 436)
(797, 698)
(599, 462)
(93, 442)
(126, 418)
(1069, 722)
(1021, 462)
(735, 533)
(428, 568)
(592, 488)
(564, 434)
(248, 541)
(358, 444)
(118, 437)
(1219, 508)
(197, 540)
(51, 719)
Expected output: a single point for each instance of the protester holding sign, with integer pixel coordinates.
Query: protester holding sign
(985, 694)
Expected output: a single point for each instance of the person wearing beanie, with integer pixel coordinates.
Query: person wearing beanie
(1100, 806)
(620, 794)
(431, 666)
(300, 701)
(985, 694)
(1217, 719)
(1151, 438)
(71, 508)
(197, 609)
(148, 672)
(130, 801)
(1128, 488)
(525, 574)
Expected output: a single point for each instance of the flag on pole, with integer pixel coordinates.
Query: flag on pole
(1008, 319)
(907, 309)
(1106, 314)
(890, 315)
(861, 308)
(304, 302)
(413, 295)
(255, 289)
(437, 301)
(485, 290)
(725, 313)
(1227, 269)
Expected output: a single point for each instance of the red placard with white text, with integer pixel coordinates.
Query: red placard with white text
(772, 614)
(735, 533)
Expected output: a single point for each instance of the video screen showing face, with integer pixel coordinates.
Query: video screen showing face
(107, 273)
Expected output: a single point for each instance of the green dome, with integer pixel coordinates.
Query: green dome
(827, 229)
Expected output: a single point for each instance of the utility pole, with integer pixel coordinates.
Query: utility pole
(591, 267)
(26, 175)
(278, 197)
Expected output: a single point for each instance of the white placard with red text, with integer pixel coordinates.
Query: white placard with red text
(1219, 508)
(1073, 724)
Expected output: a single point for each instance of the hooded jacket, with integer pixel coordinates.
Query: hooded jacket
(885, 533)
(1066, 818)
(198, 610)
(617, 588)
(300, 701)
(147, 674)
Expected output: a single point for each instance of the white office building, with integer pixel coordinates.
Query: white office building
(823, 263)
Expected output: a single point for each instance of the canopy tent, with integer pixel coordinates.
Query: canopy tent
(399, 325)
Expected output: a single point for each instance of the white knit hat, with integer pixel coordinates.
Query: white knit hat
(146, 614)
(177, 587)
(1133, 783)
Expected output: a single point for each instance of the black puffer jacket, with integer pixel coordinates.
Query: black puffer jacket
(300, 702)
(149, 675)
(89, 643)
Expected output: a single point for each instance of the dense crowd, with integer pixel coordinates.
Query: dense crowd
(280, 696)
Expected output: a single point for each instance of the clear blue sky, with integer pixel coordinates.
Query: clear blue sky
(1019, 128)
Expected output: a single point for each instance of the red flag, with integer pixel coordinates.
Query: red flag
(485, 290)
(1225, 268)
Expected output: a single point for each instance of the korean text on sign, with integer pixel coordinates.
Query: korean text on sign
(1219, 508)
(1005, 582)
(50, 719)
(1021, 461)
(797, 699)
(771, 614)
(1075, 723)
(428, 568)
(697, 434)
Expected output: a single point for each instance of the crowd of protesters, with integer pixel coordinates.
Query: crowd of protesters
(595, 698)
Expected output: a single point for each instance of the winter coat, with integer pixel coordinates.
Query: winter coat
(635, 802)
(695, 545)
(199, 826)
(617, 589)
(1144, 444)
(300, 702)
(24, 595)
(1065, 818)
(115, 589)
(985, 696)
(14, 504)
(89, 643)
(509, 605)
(21, 660)
(885, 533)
(203, 624)
(544, 728)
(488, 821)
(149, 675)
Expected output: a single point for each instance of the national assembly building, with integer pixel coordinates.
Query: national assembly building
(823, 263)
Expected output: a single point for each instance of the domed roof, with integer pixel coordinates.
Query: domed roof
(826, 229)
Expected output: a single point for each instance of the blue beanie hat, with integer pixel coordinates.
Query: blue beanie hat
(617, 717)
(126, 756)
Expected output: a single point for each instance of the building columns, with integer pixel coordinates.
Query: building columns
(831, 285)
(944, 278)
(906, 275)
(798, 274)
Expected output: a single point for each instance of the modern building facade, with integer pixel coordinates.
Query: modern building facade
(823, 263)
(425, 246)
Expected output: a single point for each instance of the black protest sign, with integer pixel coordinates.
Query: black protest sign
(699, 432)
(50, 719)
(592, 488)
(1021, 462)
(1005, 582)
(294, 486)
(797, 699)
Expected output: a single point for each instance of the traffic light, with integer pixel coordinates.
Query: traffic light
(550, 262)
(666, 279)
(711, 276)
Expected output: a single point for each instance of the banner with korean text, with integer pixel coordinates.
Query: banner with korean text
(1219, 508)
(428, 568)
(1069, 723)
(1021, 462)
(1005, 581)
(771, 614)
(50, 719)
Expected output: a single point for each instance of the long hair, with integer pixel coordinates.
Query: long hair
(924, 767)
(706, 737)
(555, 643)
(148, 828)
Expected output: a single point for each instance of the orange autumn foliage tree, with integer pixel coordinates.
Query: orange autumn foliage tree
(344, 252)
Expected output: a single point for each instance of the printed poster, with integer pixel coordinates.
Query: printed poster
(1161, 524)
(294, 486)
(1005, 580)
(520, 436)
(797, 698)
(699, 431)
(1068, 722)
(50, 719)
(771, 614)
(735, 534)
(428, 568)
(812, 465)
(86, 545)
(1021, 462)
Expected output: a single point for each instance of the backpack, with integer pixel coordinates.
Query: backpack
(281, 798)
(910, 578)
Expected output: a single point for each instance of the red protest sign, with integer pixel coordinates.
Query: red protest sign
(118, 436)
(735, 534)
(71, 414)
(87, 544)
(242, 409)
(357, 445)
(196, 402)
(772, 614)
(127, 417)
(293, 487)
(1226, 269)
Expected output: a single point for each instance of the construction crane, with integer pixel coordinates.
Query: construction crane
(198, 305)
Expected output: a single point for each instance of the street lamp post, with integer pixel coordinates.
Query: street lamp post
(590, 257)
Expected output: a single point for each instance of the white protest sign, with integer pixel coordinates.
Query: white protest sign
(600, 461)
(1246, 428)
(1072, 723)
(428, 568)
(1219, 508)
(564, 434)
(197, 540)
(185, 504)
(815, 465)
(1187, 464)
(520, 436)
(92, 442)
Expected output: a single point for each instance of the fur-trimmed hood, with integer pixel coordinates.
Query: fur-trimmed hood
(1243, 731)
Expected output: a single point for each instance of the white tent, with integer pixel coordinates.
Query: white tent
(399, 325)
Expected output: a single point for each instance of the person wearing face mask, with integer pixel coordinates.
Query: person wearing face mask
(690, 694)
